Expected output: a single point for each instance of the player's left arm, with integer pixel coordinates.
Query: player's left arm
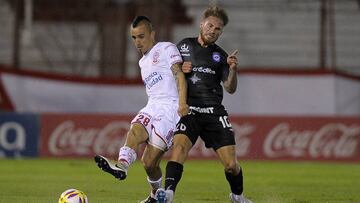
(182, 88)
(230, 83)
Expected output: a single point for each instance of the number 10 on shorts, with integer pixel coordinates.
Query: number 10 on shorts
(225, 121)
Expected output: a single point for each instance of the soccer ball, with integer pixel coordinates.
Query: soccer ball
(73, 196)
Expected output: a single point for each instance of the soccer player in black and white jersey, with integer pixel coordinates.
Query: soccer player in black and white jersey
(206, 66)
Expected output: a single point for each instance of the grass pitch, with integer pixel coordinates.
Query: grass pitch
(43, 180)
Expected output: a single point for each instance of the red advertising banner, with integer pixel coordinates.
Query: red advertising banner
(73, 135)
(257, 137)
(305, 138)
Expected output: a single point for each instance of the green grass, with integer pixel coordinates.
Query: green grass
(43, 180)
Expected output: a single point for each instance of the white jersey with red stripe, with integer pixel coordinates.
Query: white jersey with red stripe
(156, 71)
(159, 116)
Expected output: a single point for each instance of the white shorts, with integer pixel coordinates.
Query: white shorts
(159, 120)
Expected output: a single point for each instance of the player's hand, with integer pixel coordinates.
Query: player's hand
(186, 67)
(232, 60)
(183, 109)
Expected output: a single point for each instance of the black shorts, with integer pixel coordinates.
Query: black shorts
(214, 129)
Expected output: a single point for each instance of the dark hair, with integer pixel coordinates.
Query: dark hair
(138, 19)
(218, 12)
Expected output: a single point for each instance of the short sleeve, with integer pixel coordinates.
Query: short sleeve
(173, 54)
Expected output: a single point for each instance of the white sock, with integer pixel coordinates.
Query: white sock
(126, 156)
(155, 184)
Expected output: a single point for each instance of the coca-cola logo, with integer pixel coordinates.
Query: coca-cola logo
(332, 140)
(67, 139)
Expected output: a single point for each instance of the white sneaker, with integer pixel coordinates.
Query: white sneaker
(238, 198)
(169, 196)
(164, 196)
(117, 170)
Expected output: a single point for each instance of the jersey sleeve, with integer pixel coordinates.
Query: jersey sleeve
(184, 48)
(173, 54)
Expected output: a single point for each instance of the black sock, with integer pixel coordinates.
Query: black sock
(174, 172)
(236, 182)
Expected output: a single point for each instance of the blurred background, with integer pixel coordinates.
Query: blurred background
(91, 38)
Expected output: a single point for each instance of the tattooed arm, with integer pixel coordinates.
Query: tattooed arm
(182, 88)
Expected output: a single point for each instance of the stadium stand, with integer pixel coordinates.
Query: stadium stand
(269, 34)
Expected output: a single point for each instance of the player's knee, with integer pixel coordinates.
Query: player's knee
(182, 145)
(179, 154)
(135, 131)
(232, 167)
(179, 149)
(136, 135)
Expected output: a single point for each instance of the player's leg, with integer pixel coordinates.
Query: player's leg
(136, 136)
(233, 173)
(160, 140)
(174, 167)
(185, 136)
(151, 161)
(219, 135)
(127, 154)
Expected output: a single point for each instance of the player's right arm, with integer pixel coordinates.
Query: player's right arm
(230, 83)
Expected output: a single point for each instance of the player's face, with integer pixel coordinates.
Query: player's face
(143, 38)
(211, 29)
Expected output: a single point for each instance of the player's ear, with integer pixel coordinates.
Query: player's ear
(152, 34)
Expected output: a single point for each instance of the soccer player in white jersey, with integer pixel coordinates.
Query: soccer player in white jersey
(155, 123)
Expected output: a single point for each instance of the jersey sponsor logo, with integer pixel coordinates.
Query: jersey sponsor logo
(175, 55)
(156, 57)
(209, 110)
(152, 79)
(216, 56)
(169, 136)
(203, 70)
(184, 49)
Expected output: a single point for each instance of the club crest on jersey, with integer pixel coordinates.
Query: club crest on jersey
(216, 56)
(156, 57)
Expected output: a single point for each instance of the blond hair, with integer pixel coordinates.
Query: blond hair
(218, 12)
